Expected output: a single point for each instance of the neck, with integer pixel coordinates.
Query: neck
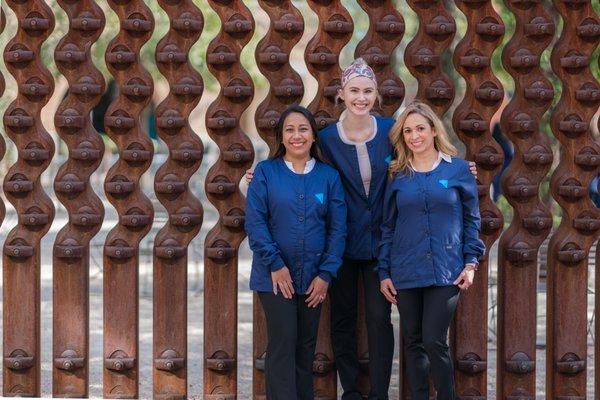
(424, 160)
(298, 162)
(357, 127)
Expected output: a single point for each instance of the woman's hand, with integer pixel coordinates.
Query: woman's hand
(250, 175)
(389, 291)
(472, 168)
(465, 279)
(282, 280)
(317, 292)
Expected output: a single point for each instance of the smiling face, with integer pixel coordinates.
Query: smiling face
(418, 134)
(359, 95)
(298, 136)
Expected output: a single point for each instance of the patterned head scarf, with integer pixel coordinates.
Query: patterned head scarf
(358, 68)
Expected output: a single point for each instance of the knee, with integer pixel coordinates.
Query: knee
(379, 315)
(434, 345)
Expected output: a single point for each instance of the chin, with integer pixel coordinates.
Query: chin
(300, 153)
(366, 111)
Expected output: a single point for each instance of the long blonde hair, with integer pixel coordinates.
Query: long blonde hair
(441, 142)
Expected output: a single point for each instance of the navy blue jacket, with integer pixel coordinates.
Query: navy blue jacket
(365, 214)
(297, 221)
(431, 226)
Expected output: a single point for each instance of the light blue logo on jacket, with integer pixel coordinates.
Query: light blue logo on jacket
(388, 159)
(444, 183)
(320, 197)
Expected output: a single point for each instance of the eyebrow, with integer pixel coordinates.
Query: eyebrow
(408, 127)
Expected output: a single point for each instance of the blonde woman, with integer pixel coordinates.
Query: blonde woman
(430, 243)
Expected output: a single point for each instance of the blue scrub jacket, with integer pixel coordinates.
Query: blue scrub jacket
(297, 221)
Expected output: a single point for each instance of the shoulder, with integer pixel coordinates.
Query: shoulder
(460, 169)
(459, 162)
(266, 165)
(328, 132)
(400, 176)
(327, 170)
(385, 123)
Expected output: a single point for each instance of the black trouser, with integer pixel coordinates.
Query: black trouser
(380, 332)
(292, 329)
(425, 315)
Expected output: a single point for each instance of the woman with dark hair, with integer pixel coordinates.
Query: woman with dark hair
(296, 226)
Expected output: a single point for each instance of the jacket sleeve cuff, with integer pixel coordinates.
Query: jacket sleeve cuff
(277, 264)
(383, 273)
(471, 259)
(326, 276)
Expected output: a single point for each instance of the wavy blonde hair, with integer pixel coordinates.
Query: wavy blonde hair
(441, 142)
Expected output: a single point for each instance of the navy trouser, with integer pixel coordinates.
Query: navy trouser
(425, 315)
(292, 329)
(380, 332)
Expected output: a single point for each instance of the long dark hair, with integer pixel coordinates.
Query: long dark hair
(315, 151)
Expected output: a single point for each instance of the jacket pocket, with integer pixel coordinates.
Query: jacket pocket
(454, 259)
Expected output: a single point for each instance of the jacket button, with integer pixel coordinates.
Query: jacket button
(300, 219)
(301, 197)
